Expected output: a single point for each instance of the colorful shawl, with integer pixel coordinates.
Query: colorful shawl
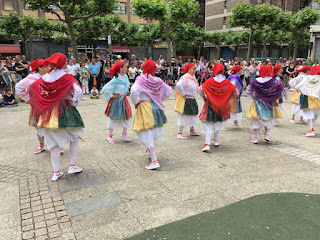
(219, 95)
(46, 96)
(154, 87)
(108, 89)
(236, 80)
(268, 92)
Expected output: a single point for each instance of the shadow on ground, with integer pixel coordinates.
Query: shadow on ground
(276, 216)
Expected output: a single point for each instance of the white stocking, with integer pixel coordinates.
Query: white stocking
(55, 158)
(73, 152)
(124, 130)
(181, 129)
(110, 131)
(208, 139)
(152, 153)
(191, 128)
(216, 135)
(41, 140)
(267, 131)
(310, 123)
(314, 121)
(256, 132)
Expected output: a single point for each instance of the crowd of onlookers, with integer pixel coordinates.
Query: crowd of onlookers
(93, 73)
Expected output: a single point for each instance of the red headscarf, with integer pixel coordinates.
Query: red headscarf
(315, 70)
(58, 59)
(265, 71)
(36, 64)
(276, 69)
(116, 68)
(186, 68)
(149, 67)
(304, 69)
(140, 63)
(217, 69)
(236, 68)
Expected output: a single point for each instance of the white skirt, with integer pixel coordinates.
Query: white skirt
(147, 137)
(40, 132)
(187, 120)
(208, 127)
(296, 109)
(235, 116)
(113, 124)
(60, 137)
(258, 123)
(310, 113)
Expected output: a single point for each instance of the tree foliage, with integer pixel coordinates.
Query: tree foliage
(69, 11)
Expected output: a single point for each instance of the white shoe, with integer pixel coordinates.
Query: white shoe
(194, 133)
(181, 136)
(110, 139)
(74, 169)
(292, 121)
(266, 137)
(216, 143)
(39, 149)
(155, 164)
(57, 175)
(310, 134)
(125, 136)
(255, 140)
(206, 148)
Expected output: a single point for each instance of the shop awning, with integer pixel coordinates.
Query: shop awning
(120, 49)
(9, 49)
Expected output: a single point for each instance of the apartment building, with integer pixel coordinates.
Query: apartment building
(217, 14)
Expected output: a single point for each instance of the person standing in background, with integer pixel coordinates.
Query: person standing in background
(94, 70)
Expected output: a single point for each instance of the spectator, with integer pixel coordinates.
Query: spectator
(203, 75)
(176, 66)
(161, 59)
(87, 63)
(21, 69)
(285, 75)
(209, 69)
(135, 61)
(101, 77)
(247, 74)
(170, 83)
(12, 74)
(94, 92)
(164, 70)
(291, 70)
(309, 62)
(316, 62)
(9, 99)
(94, 70)
(132, 72)
(253, 69)
(201, 62)
(84, 78)
(107, 71)
(158, 65)
(4, 79)
(72, 68)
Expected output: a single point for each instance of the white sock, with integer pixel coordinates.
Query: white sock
(152, 153)
(191, 128)
(256, 132)
(310, 123)
(41, 140)
(124, 130)
(314, 121)
(208, 139)
(267, 131)
(110, 131)
(181, 129)
(73, 152)
(216, 135)
(293, 116)
(55, 158)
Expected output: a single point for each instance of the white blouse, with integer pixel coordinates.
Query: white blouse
(190, 89)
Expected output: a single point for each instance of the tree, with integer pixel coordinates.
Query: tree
(26, 28)
(216, 38)
(298, 23)
(253, 17)
(72, 10)
(237, 38)
(168, 13)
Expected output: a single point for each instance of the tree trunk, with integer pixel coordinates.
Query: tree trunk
(169, 42)
(290, 49)
(94, 49)
(24, 50)
(237, 51)
(31, 48)
(199, 51)
(174, 48)
(295, 49)
(250, 45)
(265, 50)
(73, 37)
(218, 52)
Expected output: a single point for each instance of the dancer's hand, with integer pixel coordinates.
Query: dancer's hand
(185, 97)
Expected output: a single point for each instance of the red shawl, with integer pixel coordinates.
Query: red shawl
(46, 96)
(219, 95)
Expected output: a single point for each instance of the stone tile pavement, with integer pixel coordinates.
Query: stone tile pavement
(115, 197)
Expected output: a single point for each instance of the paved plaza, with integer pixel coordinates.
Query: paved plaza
(116, 197)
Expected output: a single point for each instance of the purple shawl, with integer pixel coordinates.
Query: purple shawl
(268, 92)
(236, 81)
(154, 87)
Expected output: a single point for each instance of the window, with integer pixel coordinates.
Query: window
(121, 8)
(8, 5)
(225, 4)
(224, 21)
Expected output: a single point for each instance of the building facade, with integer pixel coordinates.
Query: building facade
(217, 14)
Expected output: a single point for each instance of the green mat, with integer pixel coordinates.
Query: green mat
(276, 216)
